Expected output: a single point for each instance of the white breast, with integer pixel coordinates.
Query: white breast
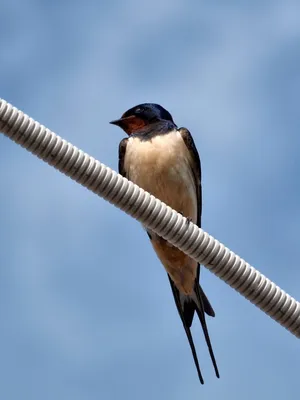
(162, 166)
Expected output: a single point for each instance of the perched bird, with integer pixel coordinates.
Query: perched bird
(163, 160)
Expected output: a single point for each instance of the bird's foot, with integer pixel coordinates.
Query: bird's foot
(188, 219)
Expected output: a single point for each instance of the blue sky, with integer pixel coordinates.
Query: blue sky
(85, 305)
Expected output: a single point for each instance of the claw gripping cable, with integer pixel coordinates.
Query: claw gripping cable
(152, 213)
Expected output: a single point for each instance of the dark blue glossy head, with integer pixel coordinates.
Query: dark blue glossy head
(149, 112)
(141, 115)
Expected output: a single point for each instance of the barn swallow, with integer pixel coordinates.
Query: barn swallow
(163, 160)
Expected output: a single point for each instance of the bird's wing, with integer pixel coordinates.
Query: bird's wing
(196, 171)
(195, 167)
(122, 151)
(187, 305)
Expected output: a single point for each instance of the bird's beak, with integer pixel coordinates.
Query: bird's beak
(117, 122)
(123, 122)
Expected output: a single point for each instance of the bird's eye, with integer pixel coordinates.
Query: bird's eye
(138, 110)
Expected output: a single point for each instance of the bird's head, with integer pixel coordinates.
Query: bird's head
(139, 116)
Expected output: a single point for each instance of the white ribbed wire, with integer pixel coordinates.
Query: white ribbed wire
(152, 213)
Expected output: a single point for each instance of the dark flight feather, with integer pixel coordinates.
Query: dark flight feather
(185, 305)
(122, 151)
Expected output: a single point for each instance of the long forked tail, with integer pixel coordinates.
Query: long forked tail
(186, 306)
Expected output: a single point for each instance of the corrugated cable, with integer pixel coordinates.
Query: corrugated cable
(152, 213)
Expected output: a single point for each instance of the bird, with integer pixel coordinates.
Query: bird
(163, 160)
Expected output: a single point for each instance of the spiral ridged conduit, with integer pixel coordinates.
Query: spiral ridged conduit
(152, 213)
